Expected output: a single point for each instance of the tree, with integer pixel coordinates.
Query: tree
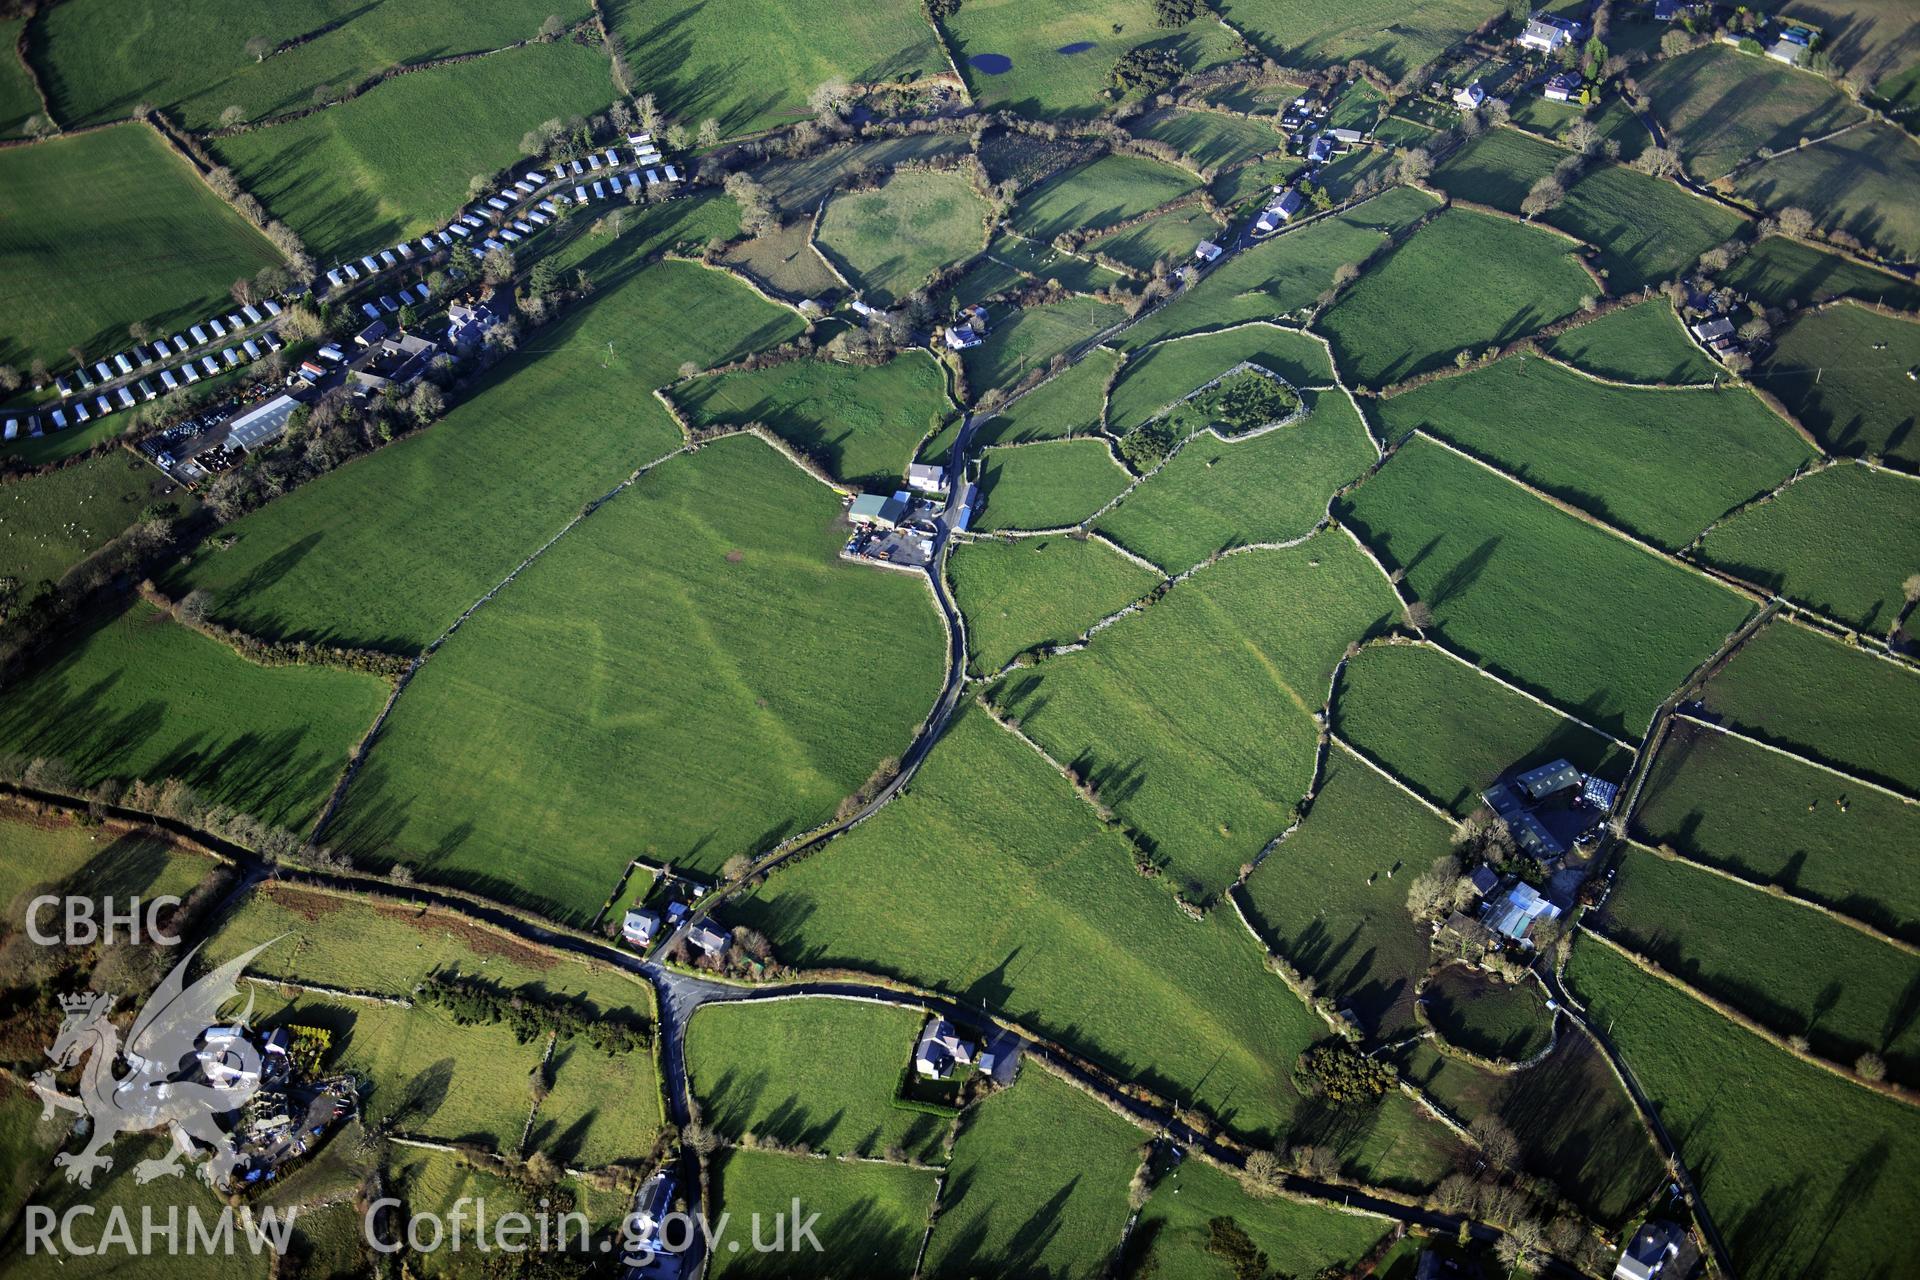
(677, 137)
(140, 331)
(757, 214)
(1545, 195)
(648, 111)
(1263, 1170)
(1871, 1067)
(1583, 137)
(232, 116)
(497, 267)
(1660, 162)
(829, 100)
(241, 291)
(427, 403)
(258, 47)
(709, 132)
(9, 378)
(1796, 222)
(39, 127)
(552, 29)
(1419, 613)
(1438, 890)
(1496, 1141)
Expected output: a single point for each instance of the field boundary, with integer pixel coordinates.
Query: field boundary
(1394, 778)
(1796, 757)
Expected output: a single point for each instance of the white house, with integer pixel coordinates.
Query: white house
(1468, 97)
(940, 1050)
(708, 940)
(927, 479)
(1207, 251)
(639, 927)
(1545, 33)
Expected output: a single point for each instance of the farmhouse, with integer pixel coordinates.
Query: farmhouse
(708, 940)
(1515, 913)
(1468, 97)
(396, 362)
(1280, 209)
(639, 927)
(1561, 88)
(1653, 1251)
(940, 1050)
(468, 324)
(926, 478)
(1546, 33)
(878, 509)
(1207, 251)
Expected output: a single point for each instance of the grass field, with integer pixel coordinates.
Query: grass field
(1842, 541)
(51, 522)
(862, 422)
(1030, 337)
(1799, 690)
(1805, 1174)
(1332, 896)
(1465, 280)
(799, 185)
(872, 1216)
(1011, 257)
(888, 241)
(1169, 238)
(819, 1072)
(48, 854)
(1065, 405)
(1719, 106)
(1854, 183)
(1281, 276)
(368, 554)
(176, 246)
(1449, 732)
(1024, 902)
(1641, 343)
(1112, 188)
(1495, 565)
(1040, 1210)
(750, 64)
(1646, 230)
(1030, 591)
(432, 1183)
(363, 175)
(1209, 139)
(1778, 271)
(1298, 1239)
(1660, 464)
(695, 617)
(1786, 966)
(1575, 1123)
(1193, 720)
(785, 261)
(1323, 32)
(1216, 494)
(98, 58)
(140, 696)
(1786, 826)
(1047, 485)
(1046, 80)
(1483, 1015)
(1867, 407)
(1165, 372)
(18, 102)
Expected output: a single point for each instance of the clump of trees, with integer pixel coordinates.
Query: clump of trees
(529, 1016)
(1341, 1075)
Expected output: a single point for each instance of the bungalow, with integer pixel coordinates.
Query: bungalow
(878, 509)
(1468, 97)
(147, 391)
(958, 337)
(524, 187)
(1515, 913)
(59, 419)
(599, 191)
(252, 313)
(102, 372)
(709, 940)
(613, 181)
(1653, 1247)
(1347, 137)
(371, 267)
(593, 163)
(1207, 251)
(1792, 47)
(673, 174)
(166, 377)
(1713, 332)
(231, 356)
(927, 478)
(639, 927)
(1561, 88)
(252, 348)
(579, 195)
(495, 202)
(940, 1050)
(1546, 33)
(62, 385)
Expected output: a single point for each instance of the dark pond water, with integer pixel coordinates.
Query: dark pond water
(993, 64)
(1078, 46)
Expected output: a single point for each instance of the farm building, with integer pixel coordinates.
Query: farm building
(1346, 137)
(1468, 97)
(878, 509)
(940, 1050)
(261, 425)
(396, 362)
(1484, 880)
(963, 510)
(1549, 779)
(1546, 33)
(1515, 913)
(1793, 46)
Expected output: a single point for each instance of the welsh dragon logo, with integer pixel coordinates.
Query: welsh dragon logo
(165, 1085)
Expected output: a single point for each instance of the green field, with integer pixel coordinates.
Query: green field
(1719, 106)
(18, 101)
(695, 618)
(786, 262)
(1047, 485)
(1857, 183)
(1484, 1015)
(1170, 1240)
(888, 241)
(1796, 689)
(363, 175)
(1786, 966)
(1169, 238)
(1828, 368)
(1065, 405)
(1024, 902)
(1515, 584)
(434, 1184)
(1210, 139)
(1112, 188)
(1045, 1210)
(143, 697)
(1641, 343)
(1193, 720)
(1449, 732)
(1465, 280)
(49, 523)
(1646, 230)
(1842, 541)
(1785, 827)
(1806, 1175)
(1216, 494)
(1282, 275)
(862, 422)
(49, 854)
(819, 1072)
(370, 555)
(1032, 336)
(798, 185)
(1778, 271)
(1332, 896)
(1030, 591)
(175, 246)
(1042, 80)
(871, 1215)
(1168, 371)
(98, 57)
(1011, 257)
(1659, 464)
(1387, 34)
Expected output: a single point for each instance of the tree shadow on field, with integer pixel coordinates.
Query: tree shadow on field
(1019, 1258)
